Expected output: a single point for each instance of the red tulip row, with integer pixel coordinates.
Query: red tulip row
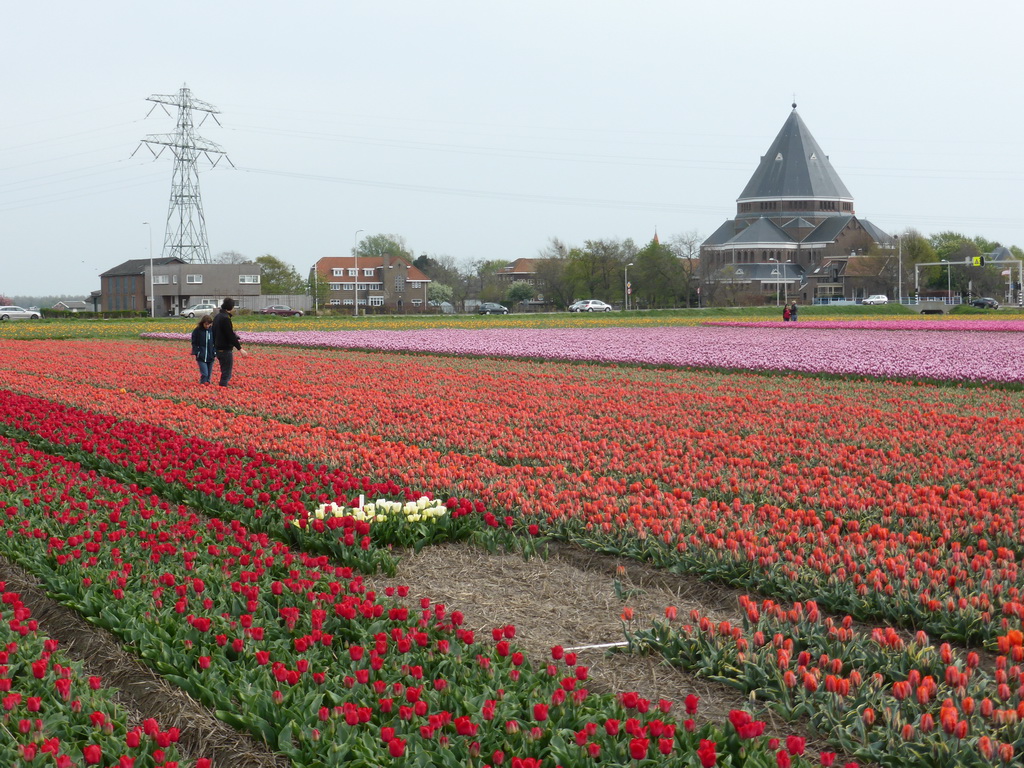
(52, 714)
(322, 669)
(924, 533)
(875, 694)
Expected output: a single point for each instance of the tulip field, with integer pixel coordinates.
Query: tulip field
(861, 488)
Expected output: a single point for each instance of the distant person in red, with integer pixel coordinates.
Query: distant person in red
(226, 341)
(785, 313)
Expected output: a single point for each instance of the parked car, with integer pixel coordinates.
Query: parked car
(17, 313)
(281, 309)
(199, 309)
(985, 303)
(878, 298)
(490, 308)
(590, 305)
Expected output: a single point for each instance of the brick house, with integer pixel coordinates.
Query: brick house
(379, 281)
(795, 224)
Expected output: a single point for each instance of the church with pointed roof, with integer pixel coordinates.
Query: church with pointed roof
(795, 227)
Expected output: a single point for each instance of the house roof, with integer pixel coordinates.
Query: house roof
(325, 265)
(72, 304)
(795, 167)
(520, 267)
(139, 266)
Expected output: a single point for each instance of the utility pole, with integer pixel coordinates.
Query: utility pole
(185, 234)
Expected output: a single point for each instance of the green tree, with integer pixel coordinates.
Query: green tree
(552, 272)
(443, 269)
(381, 245)
(278, 277)
(485, 283)
(439, 292)
(519, 292)
(658, 277)
(597, 268)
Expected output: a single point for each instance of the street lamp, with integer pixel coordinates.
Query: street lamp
(899, 269)
(152, 290)
(626, 286)
(776, 273)
(949, 282)
(355, 255)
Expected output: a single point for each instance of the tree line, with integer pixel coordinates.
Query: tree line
(661, 274)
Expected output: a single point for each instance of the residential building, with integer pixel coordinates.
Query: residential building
(71, 305)
(176, 284)
(795, 228)
(380, 282)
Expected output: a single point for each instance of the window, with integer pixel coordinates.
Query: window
(335, 286)
(193, 279)
(376, 301)
(348, 286)
(400, 283)
(175, 280)
(249, 279)
(161, 279)
(337, 272)
(335, 302)
(416, 302)
(353, 272)
(369, 272)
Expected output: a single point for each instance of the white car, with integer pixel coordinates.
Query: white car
(17, 313)
(878, 298)
(590, 305)
(199, 309)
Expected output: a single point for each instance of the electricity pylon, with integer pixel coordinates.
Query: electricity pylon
(185, 234)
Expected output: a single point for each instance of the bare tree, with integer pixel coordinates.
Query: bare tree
(230, 257)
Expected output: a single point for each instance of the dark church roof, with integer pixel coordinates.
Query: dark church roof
(795, 167)
(762, 231)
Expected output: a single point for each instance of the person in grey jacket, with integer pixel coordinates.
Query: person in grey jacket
(226, 341)
(202, 347)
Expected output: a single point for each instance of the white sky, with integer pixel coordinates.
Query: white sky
(482, 129)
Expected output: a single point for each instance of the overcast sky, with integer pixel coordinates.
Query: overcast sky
(481, 130)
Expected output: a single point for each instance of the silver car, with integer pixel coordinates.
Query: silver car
(17, 313)
(199, 310)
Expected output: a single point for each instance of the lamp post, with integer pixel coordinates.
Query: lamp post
(355, 255)
(776, 273)
(626, 286)
(316, 293)
(785, 283)
(899, 269)
(152, 289)
(949, 282)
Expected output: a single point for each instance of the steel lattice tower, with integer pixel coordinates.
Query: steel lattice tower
(185, 234)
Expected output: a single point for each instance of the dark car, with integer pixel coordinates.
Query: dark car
(280, 309)
(490, 308)
(985, 303)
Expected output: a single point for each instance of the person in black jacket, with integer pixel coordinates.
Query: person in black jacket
(225, 340)
(202, 347)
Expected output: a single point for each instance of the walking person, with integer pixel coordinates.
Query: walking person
(785, 312)
(225, 340)
(792, 312)
(202, 347)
